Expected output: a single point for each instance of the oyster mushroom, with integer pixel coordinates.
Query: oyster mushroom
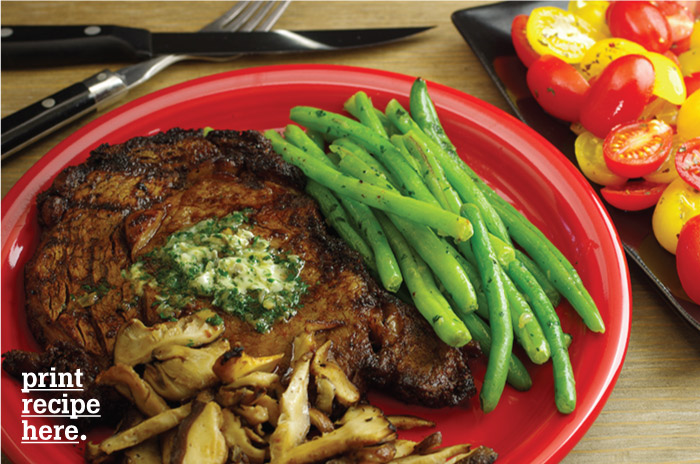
(237, 438)
(135, 342)
(183, 371)
(323, 368)
(236, 363)
(199, 437)
(127, 382)
(361, 425)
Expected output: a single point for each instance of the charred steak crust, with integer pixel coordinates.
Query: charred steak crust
(98, 217)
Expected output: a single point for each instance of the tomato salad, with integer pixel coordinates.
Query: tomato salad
(626, 75)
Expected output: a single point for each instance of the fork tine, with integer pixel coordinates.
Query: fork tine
(227, 17)
(274, 16)
(259, 15)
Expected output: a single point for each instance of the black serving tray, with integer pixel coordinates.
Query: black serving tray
(487, 31)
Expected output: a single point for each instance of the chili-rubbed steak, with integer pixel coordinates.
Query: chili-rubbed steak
(121, 206)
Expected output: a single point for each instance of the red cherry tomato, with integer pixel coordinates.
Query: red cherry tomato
(633, 195)
(680, 19)
(640, 22)
(688, 258)
(522, 47)
(638, 148)
(557, 86)
(688, 162)
(692, 83)
(618, 95)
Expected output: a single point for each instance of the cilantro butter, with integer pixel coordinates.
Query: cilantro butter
(223, 260)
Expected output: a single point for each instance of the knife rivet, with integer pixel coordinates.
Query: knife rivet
(6, 32)
(92, 30)
(48, 103)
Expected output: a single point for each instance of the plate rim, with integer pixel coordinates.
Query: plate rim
(15, 196)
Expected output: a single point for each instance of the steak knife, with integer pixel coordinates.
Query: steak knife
(99, 91)
(39, 46)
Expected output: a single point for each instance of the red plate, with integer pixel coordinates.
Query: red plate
(515, 160)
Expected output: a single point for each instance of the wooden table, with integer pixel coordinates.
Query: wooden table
(653, 414)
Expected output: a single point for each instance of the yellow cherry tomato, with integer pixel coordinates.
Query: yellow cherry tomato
(593, 12)
(688, 122)
(677, 205)
(589, 156)
(690, 61)
(695, 35)
(660, 109)
(667, 173)
(668, 80)
(603, 52)
(553, 31)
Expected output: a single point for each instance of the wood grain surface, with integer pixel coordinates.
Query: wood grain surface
(652, 415)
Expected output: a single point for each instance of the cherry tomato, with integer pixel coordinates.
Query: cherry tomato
(688, 258)
(557, 86)
(688, 162)
(589, 156)
(692, 83)
(638, 148)
(690, 61)
(640, 22)
(553, 31)
(668, 79)
(679, 18)
(633, 195)
(677, 205)
(592, 12)
(605, 51)
(522, 47)
(688, 122)
(618, 95)
(658, 108)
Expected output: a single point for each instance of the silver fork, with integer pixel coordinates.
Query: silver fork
(104, 88)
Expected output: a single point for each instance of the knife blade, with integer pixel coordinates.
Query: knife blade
(38, 46)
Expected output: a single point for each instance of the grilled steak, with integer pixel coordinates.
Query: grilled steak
(101, 216)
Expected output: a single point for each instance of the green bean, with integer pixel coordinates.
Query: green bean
(452, 165)
(499, 312)
(355, 149)
(482, 304)
(430, 177)
(400, 145)
(526, 327)
(518, 377)
(409, 182)
(431, 304)
(552, 293)
(436, 252)
(424, 153)
(410, 208)
(365, 221)
(564, 383)
(300, 139)
(364, 110)
(335, 214)
(560, 272)
(424, 113)
(351, 107)
(317, 138)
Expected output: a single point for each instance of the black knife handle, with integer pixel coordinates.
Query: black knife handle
(27, 125)
(34, 46)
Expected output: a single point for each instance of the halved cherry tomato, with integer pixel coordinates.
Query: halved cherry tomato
(666, 173)
(638, 148)
(668, 79)
(679, 18)
(690, 61)
(688, 258)
(688, 162)
(589, 156)
(658, 108)
(592, 12)
(522, 47)
(618, 95)
(640, 22)
(557, 86)
(553, 31)
(634, 195)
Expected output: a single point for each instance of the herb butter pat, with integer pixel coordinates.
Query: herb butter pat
(223, 260)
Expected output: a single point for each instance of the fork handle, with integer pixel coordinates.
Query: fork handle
(45, 46)
(27, 125)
